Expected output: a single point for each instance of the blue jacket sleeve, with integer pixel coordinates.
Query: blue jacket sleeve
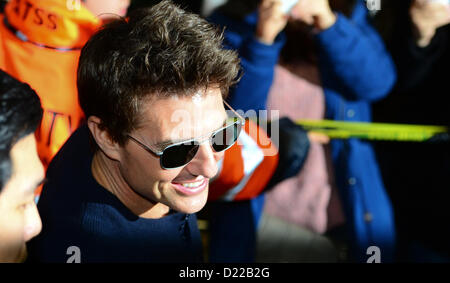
(354, 54)
(258, 61)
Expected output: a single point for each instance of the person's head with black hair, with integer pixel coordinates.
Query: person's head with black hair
(21, 171)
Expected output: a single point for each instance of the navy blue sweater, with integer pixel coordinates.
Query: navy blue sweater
(77, 211)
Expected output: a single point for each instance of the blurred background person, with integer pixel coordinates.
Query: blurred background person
(20, 168)
(107, 9)
(234, 225)
(417, 174)
(354, 70)
(195, 6)
(40, 43)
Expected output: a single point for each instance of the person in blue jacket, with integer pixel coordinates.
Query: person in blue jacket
(355, 70)
(233, 226)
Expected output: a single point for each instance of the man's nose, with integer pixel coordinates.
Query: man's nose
(205, 161)
(33, 224)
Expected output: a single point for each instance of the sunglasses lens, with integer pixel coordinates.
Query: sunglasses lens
(225, 138)
(179, 155)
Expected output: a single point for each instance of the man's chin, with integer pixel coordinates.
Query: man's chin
(193, 205)
(14, 256)
(192, 210)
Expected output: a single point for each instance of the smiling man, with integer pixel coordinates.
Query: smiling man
(125, 187)
(21, 171)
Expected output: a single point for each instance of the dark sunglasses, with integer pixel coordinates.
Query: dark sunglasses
(181, 153)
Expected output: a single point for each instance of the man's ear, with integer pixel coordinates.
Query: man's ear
(103, 139)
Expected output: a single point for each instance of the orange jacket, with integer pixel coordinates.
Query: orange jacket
(247, 166)
(40, 43)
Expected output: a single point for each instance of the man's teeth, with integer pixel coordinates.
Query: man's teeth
(192, 185)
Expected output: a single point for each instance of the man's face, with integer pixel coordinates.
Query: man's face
(108, 8)
(19, 218)
(183, 189)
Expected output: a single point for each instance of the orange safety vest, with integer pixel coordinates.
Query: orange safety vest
(40, 44)
(247, 166)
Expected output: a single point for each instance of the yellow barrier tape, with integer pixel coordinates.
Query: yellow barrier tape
(372, 131)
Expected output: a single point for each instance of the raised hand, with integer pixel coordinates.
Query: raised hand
(427, 16)
(271, 21)
(314, 12)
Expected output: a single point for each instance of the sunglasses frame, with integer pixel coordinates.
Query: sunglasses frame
(201, 140)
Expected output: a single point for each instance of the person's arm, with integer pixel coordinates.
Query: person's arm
(414, 63)
(355, 55)
(420, 41)
(258, 42)
(258, 62)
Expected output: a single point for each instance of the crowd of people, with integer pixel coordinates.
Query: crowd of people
(150, 117)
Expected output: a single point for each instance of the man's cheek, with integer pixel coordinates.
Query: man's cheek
(219, 156)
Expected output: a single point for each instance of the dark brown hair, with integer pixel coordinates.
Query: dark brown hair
(158, 52)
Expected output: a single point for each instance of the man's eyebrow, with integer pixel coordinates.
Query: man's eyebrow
(169, 142)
